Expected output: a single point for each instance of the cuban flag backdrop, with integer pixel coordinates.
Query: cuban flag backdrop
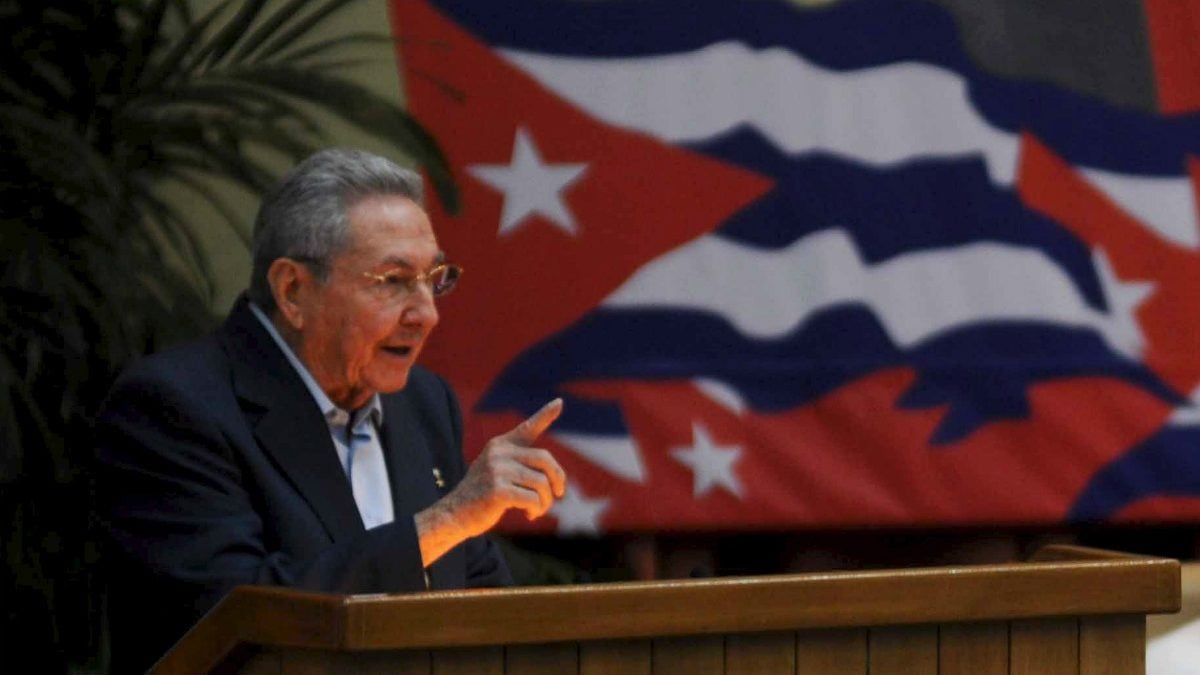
(823, 267)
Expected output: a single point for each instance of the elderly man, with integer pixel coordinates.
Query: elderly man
(300, 444)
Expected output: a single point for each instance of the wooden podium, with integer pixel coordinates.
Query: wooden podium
(1069, 610)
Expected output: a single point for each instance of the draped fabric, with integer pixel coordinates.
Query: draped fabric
(873, 263)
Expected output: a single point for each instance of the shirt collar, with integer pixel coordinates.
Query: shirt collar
(335, 416)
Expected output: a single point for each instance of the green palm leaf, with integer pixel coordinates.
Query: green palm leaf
(229, 35)
(169, 65)
(323, 48)
(273, 41)
(113, 101)
(301, 28)
(364, 109)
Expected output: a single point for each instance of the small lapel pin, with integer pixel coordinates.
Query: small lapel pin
(437, 478)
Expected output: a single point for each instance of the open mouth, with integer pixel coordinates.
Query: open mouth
(401, 351)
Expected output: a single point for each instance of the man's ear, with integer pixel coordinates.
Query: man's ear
(288, 280)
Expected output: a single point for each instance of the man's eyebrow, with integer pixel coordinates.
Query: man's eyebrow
(395, 261)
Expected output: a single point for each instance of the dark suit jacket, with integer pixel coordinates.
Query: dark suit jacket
(216, 469)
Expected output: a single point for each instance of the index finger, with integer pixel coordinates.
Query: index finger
(528, 431)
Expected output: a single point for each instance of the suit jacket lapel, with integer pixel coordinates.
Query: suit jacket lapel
(287, 423)
(410, 463)
(409, 459)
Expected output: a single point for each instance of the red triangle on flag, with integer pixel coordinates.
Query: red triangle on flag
(854, 458)
(616, 199)
(1048, 184)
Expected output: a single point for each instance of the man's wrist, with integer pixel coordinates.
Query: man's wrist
(438, 531)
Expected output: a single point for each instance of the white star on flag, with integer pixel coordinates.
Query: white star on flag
(577, 514)
(530, 186)
(1122, 330)
(711, 464)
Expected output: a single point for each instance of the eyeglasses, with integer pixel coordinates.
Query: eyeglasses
(397, 284)
(400, 283)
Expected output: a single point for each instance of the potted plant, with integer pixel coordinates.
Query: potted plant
(105, 104)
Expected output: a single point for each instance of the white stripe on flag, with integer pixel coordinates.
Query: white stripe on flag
(916, 296)
(881, 116)
(619, 455)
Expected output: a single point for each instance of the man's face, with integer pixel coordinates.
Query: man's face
(357, 337)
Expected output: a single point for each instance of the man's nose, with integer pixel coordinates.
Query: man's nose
(421, 307)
